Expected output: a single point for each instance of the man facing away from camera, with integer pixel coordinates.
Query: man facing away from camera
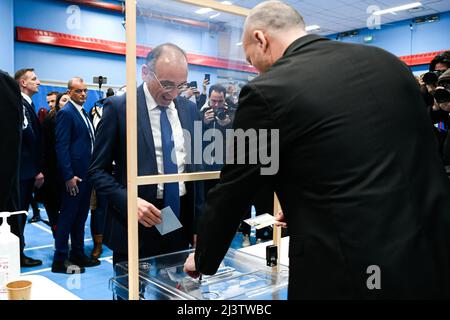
(362, 190)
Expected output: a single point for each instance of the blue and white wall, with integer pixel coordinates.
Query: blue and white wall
(60, 64)
(399, 39)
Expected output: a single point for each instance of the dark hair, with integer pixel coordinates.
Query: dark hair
(109, 92)
(443, 58)
(51, 93)
(52, 112)
(19, 73)
(218, 88)
(156, 53)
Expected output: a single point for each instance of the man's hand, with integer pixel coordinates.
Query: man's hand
(72, 186)
(189, 267)
(209, 116)
(445, 106)
(39, 180)
(189, 92)
(204, 84)
(280, 221)
(224, 122)
(148, 214)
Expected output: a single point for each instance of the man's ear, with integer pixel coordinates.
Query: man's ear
(261, 39)
(145, 71)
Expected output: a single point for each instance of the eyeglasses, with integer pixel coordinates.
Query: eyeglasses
(78, 91)
(169, 85)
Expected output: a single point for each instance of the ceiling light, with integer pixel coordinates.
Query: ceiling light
(239, 44)
(312, 28)
(228, 3)
(399, 8)
(203, 10)
(215, 15)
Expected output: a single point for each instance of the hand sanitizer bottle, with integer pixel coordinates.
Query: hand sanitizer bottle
(9, 254)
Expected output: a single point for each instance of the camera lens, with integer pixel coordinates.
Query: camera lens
(442, 95)
(221, 114)
(430, 77)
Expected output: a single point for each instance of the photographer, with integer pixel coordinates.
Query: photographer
(217, 116)
(428, 81)
(216, 112)
(442, 97)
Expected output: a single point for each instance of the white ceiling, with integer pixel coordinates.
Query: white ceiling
(335, 16)
(332, 16)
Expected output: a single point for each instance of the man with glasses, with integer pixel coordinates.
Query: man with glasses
(74, 145)
(162, 149)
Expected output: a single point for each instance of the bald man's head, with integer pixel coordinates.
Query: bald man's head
(269, 29)
(274, 16)
(165, 73)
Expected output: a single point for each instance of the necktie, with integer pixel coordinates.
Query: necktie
(171, 190)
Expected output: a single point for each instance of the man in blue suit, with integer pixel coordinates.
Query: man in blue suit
(30, 156)
(74, 145)
(161, 114)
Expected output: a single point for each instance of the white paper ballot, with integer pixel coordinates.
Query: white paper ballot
(261, 221)
(169, 222)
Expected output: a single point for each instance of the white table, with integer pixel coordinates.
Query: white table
(44, 289)
(259, 250)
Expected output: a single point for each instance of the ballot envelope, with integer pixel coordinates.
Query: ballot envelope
(241, 276)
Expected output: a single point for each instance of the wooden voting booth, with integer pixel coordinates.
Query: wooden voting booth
(131, 113)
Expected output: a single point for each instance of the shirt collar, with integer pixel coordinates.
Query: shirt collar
(151, 103)
(76, 105)
(27, 98)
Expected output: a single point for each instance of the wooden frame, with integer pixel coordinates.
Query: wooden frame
(133, 180)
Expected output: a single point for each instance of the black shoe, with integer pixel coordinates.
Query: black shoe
(84, 261)
(29, 262)
(35, 219)
(66, 267)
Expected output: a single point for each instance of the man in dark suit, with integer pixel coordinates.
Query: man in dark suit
(11, 123)
(361, 187)
(74, 145)
(31, 152)
(159, 110)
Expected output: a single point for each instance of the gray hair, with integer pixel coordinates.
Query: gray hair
(71, 81)
(158, 51)
(274, 16)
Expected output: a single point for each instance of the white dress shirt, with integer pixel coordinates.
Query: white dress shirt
(177, 131)
(25, 120)
(87, 122)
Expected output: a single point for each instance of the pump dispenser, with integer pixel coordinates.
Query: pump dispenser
(9, 253)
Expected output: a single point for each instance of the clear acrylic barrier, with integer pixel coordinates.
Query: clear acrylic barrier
(241, 276)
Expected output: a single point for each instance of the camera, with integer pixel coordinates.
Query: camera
(442, 95)
(431, 78)
(221, 113)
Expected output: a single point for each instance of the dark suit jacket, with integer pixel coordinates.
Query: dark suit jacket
(11, 126)
(359, 180)
(31, 151)
(110, 145)
(73, 143)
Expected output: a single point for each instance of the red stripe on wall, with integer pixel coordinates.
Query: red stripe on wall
(114, 47)
(421, 58)
(97, 4)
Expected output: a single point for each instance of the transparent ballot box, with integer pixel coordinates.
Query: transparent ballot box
(241, 276)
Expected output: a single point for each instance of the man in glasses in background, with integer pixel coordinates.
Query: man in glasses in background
(162, 116)
(74, 144)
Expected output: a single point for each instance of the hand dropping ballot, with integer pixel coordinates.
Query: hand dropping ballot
(261, 221)
(169, 222)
